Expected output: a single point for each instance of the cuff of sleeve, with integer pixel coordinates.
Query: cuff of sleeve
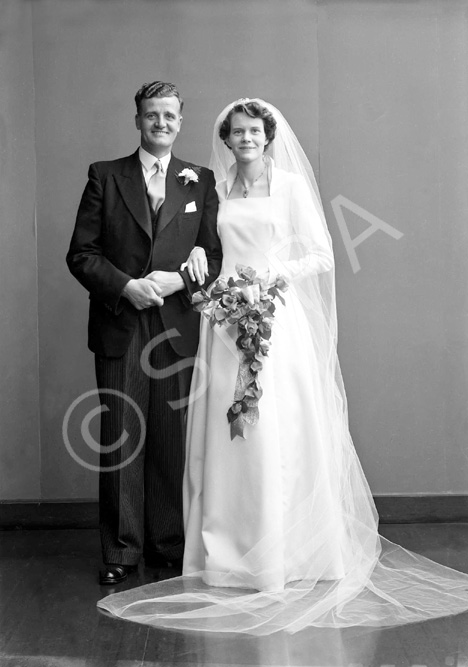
(186, 294)
(117, 305)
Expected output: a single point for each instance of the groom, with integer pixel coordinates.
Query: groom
(139, 219)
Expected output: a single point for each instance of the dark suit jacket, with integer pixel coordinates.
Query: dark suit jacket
(112, 242)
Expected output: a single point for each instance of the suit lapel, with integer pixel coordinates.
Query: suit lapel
(132, 188)
(176, 194)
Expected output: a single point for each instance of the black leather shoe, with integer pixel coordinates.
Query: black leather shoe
(160, 562)
(177, 564)
(156, 561)
(115, 574)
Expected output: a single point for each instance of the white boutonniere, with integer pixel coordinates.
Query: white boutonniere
(188, 175)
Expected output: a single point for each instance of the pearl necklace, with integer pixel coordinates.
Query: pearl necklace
(246, 190)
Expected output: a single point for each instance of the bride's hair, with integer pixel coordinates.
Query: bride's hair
(254, 110)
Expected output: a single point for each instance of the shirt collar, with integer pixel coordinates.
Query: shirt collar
(148, 160)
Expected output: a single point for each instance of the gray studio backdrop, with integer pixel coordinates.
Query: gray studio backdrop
(377, 93)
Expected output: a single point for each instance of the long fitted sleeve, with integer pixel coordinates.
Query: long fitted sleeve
(307, 250)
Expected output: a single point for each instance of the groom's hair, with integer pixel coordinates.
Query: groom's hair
(157, 89)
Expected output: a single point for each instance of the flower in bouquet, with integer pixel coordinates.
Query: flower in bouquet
(247, 302)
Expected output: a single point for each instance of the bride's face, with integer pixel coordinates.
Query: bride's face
(247, 138)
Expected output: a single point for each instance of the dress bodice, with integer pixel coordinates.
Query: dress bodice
(250, 231)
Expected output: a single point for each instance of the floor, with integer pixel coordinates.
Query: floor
(48, 616)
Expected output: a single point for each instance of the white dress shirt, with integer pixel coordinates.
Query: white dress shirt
(147, 164)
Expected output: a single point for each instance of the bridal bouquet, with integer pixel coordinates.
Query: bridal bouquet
(247, 302)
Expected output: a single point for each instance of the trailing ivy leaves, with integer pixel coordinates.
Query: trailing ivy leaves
(247, 301)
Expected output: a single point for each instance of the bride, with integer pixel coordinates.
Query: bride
(281, 529)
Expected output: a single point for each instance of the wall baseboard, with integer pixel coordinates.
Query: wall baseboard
(422, 509)
(48, 515)
(391, 509)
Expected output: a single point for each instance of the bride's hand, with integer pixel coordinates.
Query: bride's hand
(197, 265)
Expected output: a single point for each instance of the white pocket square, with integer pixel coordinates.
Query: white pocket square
(191, 207)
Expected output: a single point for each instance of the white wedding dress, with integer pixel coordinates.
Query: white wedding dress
(242, 498)
(281, 528)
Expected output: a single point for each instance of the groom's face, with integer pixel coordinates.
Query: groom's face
(159, 123)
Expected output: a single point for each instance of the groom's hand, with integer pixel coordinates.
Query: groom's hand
(143, 293)
(168, 282)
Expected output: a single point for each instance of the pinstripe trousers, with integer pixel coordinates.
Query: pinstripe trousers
(140, 490)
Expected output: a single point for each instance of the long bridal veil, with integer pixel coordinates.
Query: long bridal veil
(372, 582)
